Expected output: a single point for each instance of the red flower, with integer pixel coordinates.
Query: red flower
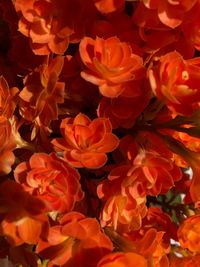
(52, 180)
(85, 142)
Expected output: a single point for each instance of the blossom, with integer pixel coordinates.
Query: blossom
(176, 82)
(85, 142)
(110, 63)
(159, 38)
(154, 173)
(188, 233)
(149, 243)
(50, 179)
(123, 207)
(42, 93)
(51, 25)
(171, 13)
(100, 145)
(151, 167)
(76, 241)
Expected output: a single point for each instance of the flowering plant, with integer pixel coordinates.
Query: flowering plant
(100, 133)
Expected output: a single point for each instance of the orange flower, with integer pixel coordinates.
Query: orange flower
(124, 207)
(170, 13)
(110, 64)
(51, 25)
(146, 243)
(188, 233)
(76, 241)
(176, 82)
(158, 38)
(150, 245)
(42, 92)
(154, 173)
(123, 213)
(120, 259)
(85, 142)
(52, 180)
(151, 167)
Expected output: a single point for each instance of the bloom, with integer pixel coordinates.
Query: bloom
(149, 244)
(176, 82)
(188, 233)
(50, 179)
(170, 13)
(76, 241)
(123, 208)
(154, 173)
(51, 25)
(85, 142)
(151, 167)
(110, 64)
(123, 212)
(42, 92)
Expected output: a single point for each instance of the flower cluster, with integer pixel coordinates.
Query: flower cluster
(100, 133)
